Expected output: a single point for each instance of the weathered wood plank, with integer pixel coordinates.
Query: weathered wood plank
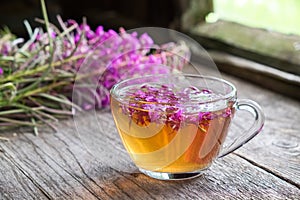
(14, 183)
(277, 147)
(67, 170)
(67, 166)
(269, 48)
(43, 170)
(64, 168)
(268, 77)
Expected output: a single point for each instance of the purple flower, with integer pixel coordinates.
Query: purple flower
(99, 31)
(4, 49)
(1, 71)
(163, 104)
(227, 112)
(146, 40)
(126, 54)
(206, 116)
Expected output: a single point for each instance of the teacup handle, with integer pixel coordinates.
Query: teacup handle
(256, 111)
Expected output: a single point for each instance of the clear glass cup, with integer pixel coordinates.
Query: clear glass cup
(174, 126)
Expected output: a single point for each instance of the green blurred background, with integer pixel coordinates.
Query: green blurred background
(276, 15)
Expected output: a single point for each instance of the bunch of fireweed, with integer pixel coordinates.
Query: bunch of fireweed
(37, 76)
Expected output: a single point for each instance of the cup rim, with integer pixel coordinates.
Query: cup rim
(226, 96)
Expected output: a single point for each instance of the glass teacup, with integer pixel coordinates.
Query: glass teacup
(173, 126)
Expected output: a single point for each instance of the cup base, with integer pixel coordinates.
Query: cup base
(171, 176)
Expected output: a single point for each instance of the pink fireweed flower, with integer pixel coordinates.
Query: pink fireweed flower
(114, 57)
(164, 104)
(5, 48)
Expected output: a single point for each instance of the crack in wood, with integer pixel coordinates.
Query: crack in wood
(73, 176)
(118, 187)
(32, 166)
(139, 186)
(80, 166)
(21, 182)
(23, 171)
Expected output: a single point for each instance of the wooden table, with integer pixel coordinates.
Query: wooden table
(65, 165)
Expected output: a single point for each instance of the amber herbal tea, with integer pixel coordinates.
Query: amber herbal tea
(173, 126)
(172, 129)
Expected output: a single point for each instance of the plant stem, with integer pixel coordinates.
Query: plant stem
(36, 70)
(45, 16)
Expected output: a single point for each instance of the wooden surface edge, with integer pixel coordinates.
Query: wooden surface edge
(278, 81)
(259, 45)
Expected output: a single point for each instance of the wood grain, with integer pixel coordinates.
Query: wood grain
(86, 160)
(268, 77)
(277, 147)
(66, 170)
(262, 46)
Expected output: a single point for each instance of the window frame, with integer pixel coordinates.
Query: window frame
(258, 55)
